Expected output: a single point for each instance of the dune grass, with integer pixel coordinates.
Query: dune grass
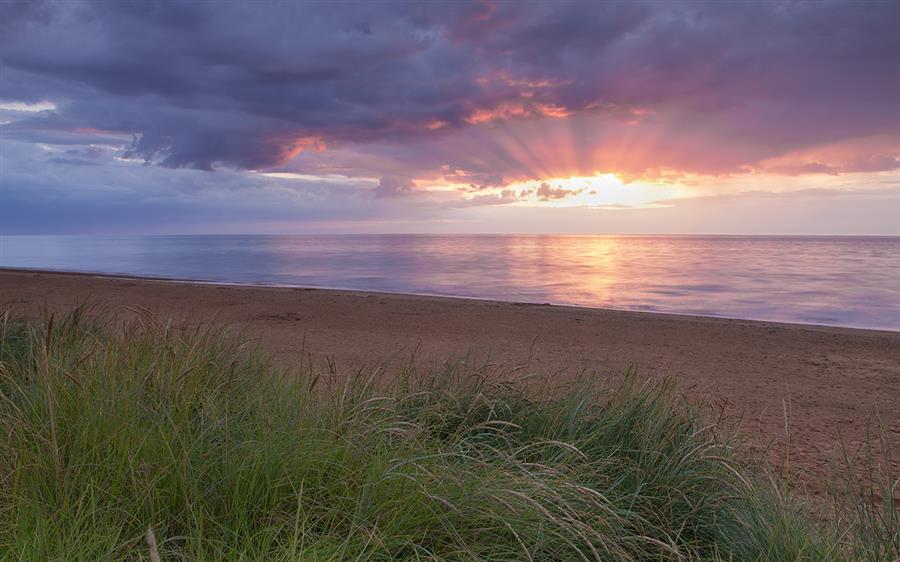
(146, 442)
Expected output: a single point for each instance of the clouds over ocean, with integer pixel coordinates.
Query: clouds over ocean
(413, 109)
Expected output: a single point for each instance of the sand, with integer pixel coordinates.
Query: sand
(827, 380)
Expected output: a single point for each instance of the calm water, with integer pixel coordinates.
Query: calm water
(838, 281)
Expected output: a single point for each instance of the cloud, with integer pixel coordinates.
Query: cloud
(121, 196)
(393, 187)
(879, 153)
(113, 114)
(202, 85)
(810, 212)
(57, 189)
(546, 192)
(796, 169)
(504, 197)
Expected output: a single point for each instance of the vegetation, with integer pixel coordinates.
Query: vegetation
(154, 443)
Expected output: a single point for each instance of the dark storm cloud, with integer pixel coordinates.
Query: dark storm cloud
(250, 85)
(239, 84)
(60, 189)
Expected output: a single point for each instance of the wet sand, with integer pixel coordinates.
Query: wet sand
(828, 380)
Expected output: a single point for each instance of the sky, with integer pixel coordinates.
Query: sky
(450, 117)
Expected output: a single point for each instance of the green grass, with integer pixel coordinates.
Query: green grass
(147, 441)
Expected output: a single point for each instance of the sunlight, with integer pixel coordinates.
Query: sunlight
(601, 190)
(26, 107)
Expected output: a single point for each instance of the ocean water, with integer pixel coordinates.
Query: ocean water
(842, 281)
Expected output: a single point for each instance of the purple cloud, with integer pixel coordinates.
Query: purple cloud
(250, 85)
(391, 113)
(393, 187)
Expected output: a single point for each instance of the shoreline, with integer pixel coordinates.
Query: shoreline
(352, 291)
(826, 380)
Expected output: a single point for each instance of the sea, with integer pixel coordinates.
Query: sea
(836, 281)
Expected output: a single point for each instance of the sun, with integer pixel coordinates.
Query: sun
(600, 190)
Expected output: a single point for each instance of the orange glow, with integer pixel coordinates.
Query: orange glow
(435, 124)
(501, 112)
(600, 190)
(511, 110)
(550, 110)
(302, 144)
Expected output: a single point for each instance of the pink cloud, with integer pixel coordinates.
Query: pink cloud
(546, 192)
(877, 153)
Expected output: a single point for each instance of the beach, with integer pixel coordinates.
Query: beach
(797, 389)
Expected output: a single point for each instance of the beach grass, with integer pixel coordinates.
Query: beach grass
(139, 440)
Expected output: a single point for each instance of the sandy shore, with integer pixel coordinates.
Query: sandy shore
(828, 379)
